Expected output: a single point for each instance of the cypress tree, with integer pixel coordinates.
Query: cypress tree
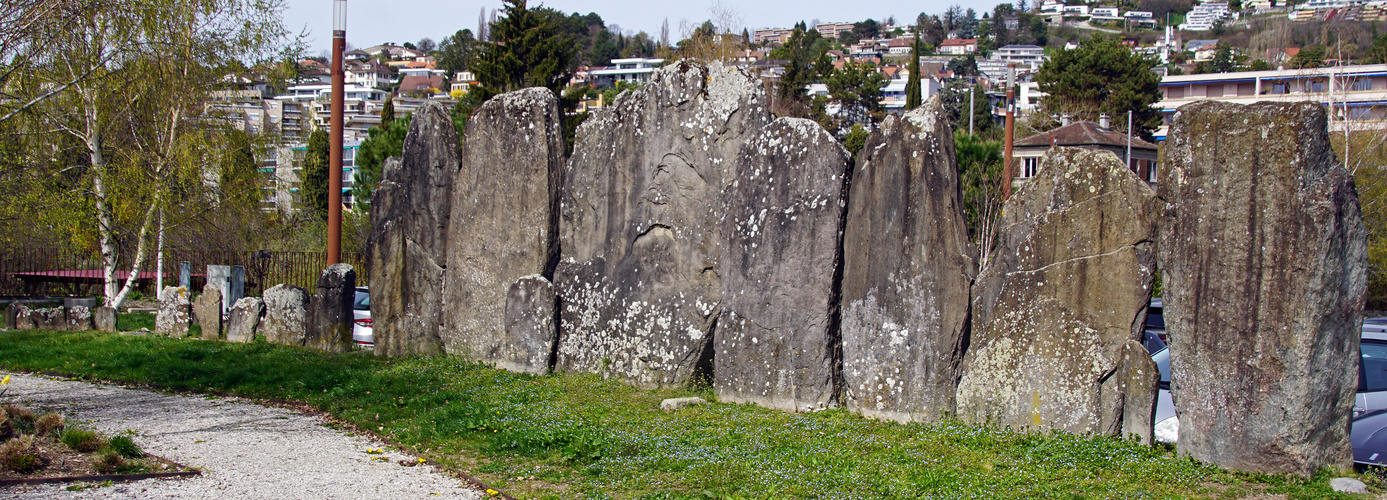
(912, 87)
(387, 112)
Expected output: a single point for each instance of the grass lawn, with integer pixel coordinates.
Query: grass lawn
(578, 436)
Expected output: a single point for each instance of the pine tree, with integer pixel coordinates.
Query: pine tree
(314, 185)
(912, 87)
(387, 112)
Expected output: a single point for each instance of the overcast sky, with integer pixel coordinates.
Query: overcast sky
(370, 22)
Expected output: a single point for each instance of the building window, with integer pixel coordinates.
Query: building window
(1361, 113)
(1028, 166)
(1280, 88)
(1363, 84)
(1150, 171)
(1315, 86)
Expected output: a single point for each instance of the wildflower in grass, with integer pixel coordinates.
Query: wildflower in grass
(492, 492)
(5, 382)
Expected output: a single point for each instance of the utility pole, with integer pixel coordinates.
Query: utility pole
(334, 174)
(1129, 138)
(970, 110)
(1009, 170)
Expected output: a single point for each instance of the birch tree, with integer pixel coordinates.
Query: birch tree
(135, 79)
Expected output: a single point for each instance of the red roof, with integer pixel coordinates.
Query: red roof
(956, 42)
(1083, 133)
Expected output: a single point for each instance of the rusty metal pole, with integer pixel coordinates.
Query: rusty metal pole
(334, 175)
(1008, 169)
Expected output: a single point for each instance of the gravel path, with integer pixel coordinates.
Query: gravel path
(245, 450)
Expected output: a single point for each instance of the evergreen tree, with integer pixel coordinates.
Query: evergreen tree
(381, 142)
(314, 186)
(527, 49)
(912, 87)
(1223, 59)
(1101, 76)
(387, 112)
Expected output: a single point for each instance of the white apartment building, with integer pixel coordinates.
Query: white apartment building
(631, 70)
(832, 30)
(1026, 58)
(1205, 15)
(1357, 94)
(1106, 14)
(772, 35)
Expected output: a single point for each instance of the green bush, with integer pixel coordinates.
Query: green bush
(126, 447)
(80, 439)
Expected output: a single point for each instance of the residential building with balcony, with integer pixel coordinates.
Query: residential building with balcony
(630, 70)
(1205, 15)
(958, 46)
(1027, 58)
(832, 30)
(1356, 94)
(772, 35)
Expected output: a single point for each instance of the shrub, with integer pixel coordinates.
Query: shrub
(21, 455)
(109, 462)
(21, 421)
(83, 440)
(6, 428)
(126, 447)
(48, 424)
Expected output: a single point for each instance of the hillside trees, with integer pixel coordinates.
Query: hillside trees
(856, 88)
(1101, 76)
(313, 190)
(127, 84)
(381, 142)
(527, 48)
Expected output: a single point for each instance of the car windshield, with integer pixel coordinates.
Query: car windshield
(362, 302)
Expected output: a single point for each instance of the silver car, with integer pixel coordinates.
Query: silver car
(361, 320)
(1372, 381)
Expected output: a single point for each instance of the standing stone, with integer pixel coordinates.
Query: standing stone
(776, 342)
(641, 216)
(23, 317)
(220, 278)
(286, 315)
(407, 248)
(1264, 261)
(50, 318)
(207, 309)
(244, 317)
(235, 288)
(79, 319)
(173, 316)
(104, 319)
(1058, 313)
(330, 310)
(530, 332)
(11, 310)
(908, 266)
(504, 221)
(185, 274)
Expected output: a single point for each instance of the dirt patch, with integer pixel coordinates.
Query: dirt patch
(38, 447)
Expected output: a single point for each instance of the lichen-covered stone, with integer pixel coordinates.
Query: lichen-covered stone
(207, 309)
(908, 266)
(244, 318)
(286, 315)
(776, 342)
(330, 310)
(174, 315)
(104, 319)
(11, 310)
(504, 222)
(50, 318)
(407, 248)
(79, 319)
(1058, 312)
(23, 316)
(638, 278)
(530, 332)
(1263, 258)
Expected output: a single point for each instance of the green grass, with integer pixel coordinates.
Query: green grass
(579, 436)
(134, 321)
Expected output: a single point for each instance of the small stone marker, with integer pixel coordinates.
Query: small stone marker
(1347, 485)
(207, 309)
(530, 331)
(104, 319)
(23, 317)
(329, 325)
(185, 274)
(286, 315)
(79, 319)
(235, 288)
(11, 310)
(244, 318)
(220, 278)
(675, 404)
(173, 317)
(50, 318)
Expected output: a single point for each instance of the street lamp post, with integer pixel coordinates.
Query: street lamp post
(334, 195)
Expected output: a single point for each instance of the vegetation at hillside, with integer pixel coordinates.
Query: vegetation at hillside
(578, 436)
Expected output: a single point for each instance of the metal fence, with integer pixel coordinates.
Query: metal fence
(54, 272)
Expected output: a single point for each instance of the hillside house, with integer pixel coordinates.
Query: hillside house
(958, 46)
(1084, 134)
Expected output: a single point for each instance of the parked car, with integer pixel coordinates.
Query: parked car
(1371, 396)
(1369, 438)
(361, 320)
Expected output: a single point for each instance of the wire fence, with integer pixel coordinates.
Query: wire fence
(54, 272)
